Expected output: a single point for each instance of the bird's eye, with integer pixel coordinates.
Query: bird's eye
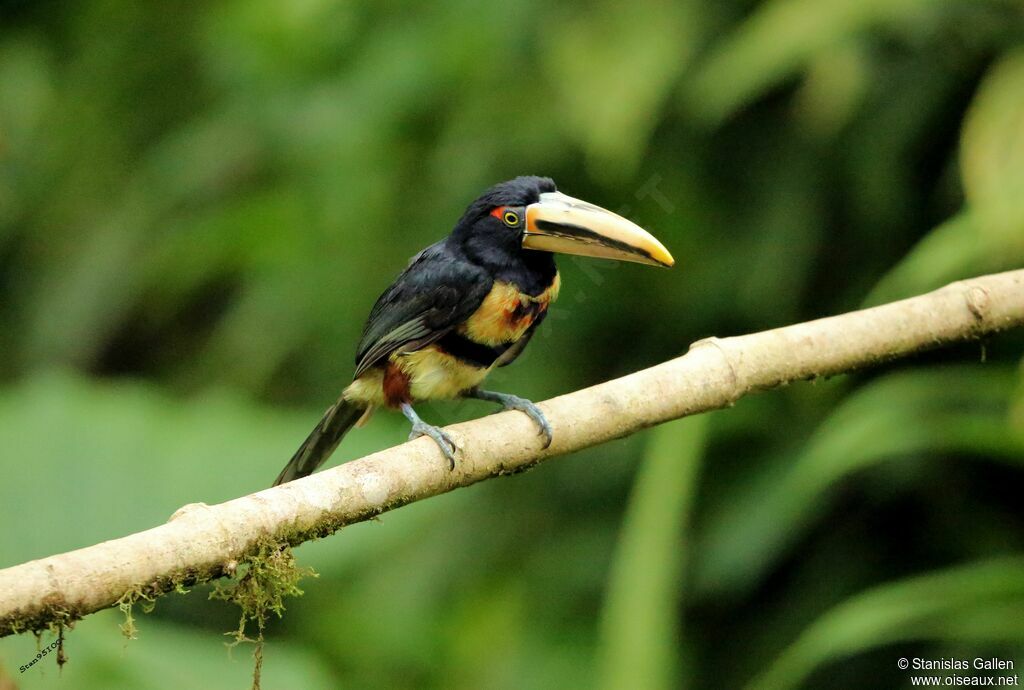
(512, 216)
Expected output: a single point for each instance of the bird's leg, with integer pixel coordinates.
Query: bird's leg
(421, 428)
(514, 402)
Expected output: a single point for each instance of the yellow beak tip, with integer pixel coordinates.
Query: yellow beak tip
(660, 255)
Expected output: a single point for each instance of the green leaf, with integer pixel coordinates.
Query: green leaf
(970, 244)
(614, 67)
(960, 409)
(988, 235)
(980, 603)
(90, 462)
(639, 628)
(778, 40)
(992, 145)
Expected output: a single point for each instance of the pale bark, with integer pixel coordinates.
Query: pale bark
(200, 542)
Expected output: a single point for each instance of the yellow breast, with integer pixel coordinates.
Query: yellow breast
(437, 375)
(506, 313)
(433, 375)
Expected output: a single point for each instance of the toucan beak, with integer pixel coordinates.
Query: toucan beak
(560, 223)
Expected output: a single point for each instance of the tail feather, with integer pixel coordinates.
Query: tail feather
(321, 442)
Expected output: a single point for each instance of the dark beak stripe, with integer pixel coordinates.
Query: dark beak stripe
(588, 236)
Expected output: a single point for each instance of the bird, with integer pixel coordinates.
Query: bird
(468, 304)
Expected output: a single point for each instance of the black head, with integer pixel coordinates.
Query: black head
(490, 232)
(522, 191)
(514, 227)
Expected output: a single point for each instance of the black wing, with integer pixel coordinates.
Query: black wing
(436, 292)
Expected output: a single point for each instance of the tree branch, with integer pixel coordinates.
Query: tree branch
(203, 542)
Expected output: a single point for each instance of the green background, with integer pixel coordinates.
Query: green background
(199, 203)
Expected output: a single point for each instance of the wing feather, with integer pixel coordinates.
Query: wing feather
(436, 292)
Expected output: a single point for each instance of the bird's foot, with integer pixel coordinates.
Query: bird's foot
(514, 402)
(421, 428)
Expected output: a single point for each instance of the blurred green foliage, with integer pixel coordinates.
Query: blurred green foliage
(199, 203)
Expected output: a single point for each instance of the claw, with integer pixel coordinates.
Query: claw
(440, 437)
(514, 402)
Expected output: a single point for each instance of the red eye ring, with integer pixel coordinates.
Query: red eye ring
(507, 216)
